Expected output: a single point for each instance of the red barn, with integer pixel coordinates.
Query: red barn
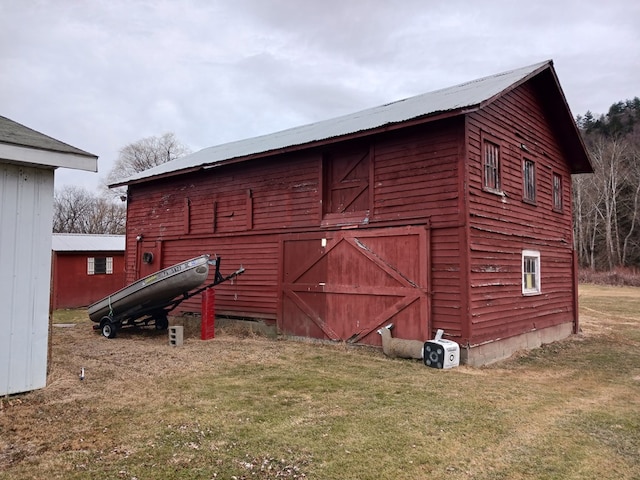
(85, 268)
(450, 210)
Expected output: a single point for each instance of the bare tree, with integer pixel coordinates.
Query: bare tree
(76, 210)
(607, 155)
(587, 218)
(71, 207)
(144, 154)
(633, 201)
(607, 203)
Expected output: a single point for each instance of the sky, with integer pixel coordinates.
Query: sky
(102, 74)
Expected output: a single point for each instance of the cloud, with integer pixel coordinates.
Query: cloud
(101, 75)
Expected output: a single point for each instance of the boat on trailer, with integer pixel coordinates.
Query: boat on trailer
(150, 299)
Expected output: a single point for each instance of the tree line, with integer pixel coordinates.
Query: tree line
(606, 204)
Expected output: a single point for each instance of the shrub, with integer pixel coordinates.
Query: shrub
(619, 277)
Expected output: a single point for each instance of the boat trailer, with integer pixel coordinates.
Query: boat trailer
(156, 312)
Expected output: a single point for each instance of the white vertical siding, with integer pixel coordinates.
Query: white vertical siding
(26, 212)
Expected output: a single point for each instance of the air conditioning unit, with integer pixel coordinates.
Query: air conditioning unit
(441, 353)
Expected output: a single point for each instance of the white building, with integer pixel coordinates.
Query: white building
(28, 160)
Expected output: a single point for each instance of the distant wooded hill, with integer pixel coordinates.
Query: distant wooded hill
(606, 205)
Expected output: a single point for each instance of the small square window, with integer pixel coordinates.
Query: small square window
(529, 180)
(99, 265)
(557, 192)
(530, 272)
(491, 166)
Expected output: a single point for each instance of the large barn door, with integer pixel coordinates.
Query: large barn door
(344, 286)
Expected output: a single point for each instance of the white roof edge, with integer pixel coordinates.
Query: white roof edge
(31, 156)
(465, 95)
(81, 242)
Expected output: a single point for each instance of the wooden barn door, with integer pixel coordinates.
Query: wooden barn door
(345, 285)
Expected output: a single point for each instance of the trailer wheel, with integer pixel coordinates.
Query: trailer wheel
(162, 322)
(108, 329)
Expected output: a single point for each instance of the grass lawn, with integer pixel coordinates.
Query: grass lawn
(245, 407)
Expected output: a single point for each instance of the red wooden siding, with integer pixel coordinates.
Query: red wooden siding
(72, 287)
(416, 175)
(347, 285)
(270, 215)
(502, 226)
(448, 289)
(243, 213)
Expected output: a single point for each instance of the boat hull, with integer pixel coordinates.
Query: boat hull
(153, 292)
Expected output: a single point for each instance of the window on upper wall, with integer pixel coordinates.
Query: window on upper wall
(99, 265)
(557, 192)
(530, 272)
(529, 180)
(491, 166)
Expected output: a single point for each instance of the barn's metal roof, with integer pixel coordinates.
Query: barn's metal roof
(79, 242)
(459, 98)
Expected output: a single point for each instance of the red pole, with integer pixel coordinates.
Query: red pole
(207, 326)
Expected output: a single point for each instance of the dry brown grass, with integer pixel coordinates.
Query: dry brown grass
(246, 406)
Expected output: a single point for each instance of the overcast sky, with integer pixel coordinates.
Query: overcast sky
(102, 74)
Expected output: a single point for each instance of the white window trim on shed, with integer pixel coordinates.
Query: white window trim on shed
(91, 266)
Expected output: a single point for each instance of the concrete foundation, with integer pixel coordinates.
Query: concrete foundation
(491, 352)
(192, 326)
(256, 327)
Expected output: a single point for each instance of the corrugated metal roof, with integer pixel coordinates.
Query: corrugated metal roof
(464, 96)
(79, 242)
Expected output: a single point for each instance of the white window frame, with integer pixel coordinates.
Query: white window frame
(531, 285)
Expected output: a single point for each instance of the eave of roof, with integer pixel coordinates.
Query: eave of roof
(447, 102)
(80, 242)
(23, 145)
(563, 120)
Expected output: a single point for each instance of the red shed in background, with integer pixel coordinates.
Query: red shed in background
(85, 268)
(450, 210)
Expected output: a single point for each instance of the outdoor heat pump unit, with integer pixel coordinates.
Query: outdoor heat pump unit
(441, 353)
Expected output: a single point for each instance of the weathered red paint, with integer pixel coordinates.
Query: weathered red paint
(72, 287)
(207, 323)
(347, 285)
(411, 236)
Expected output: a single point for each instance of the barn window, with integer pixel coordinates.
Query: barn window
(99, 265)
(530, 272)
(529, 180)
(557, 192)
(491, 166)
